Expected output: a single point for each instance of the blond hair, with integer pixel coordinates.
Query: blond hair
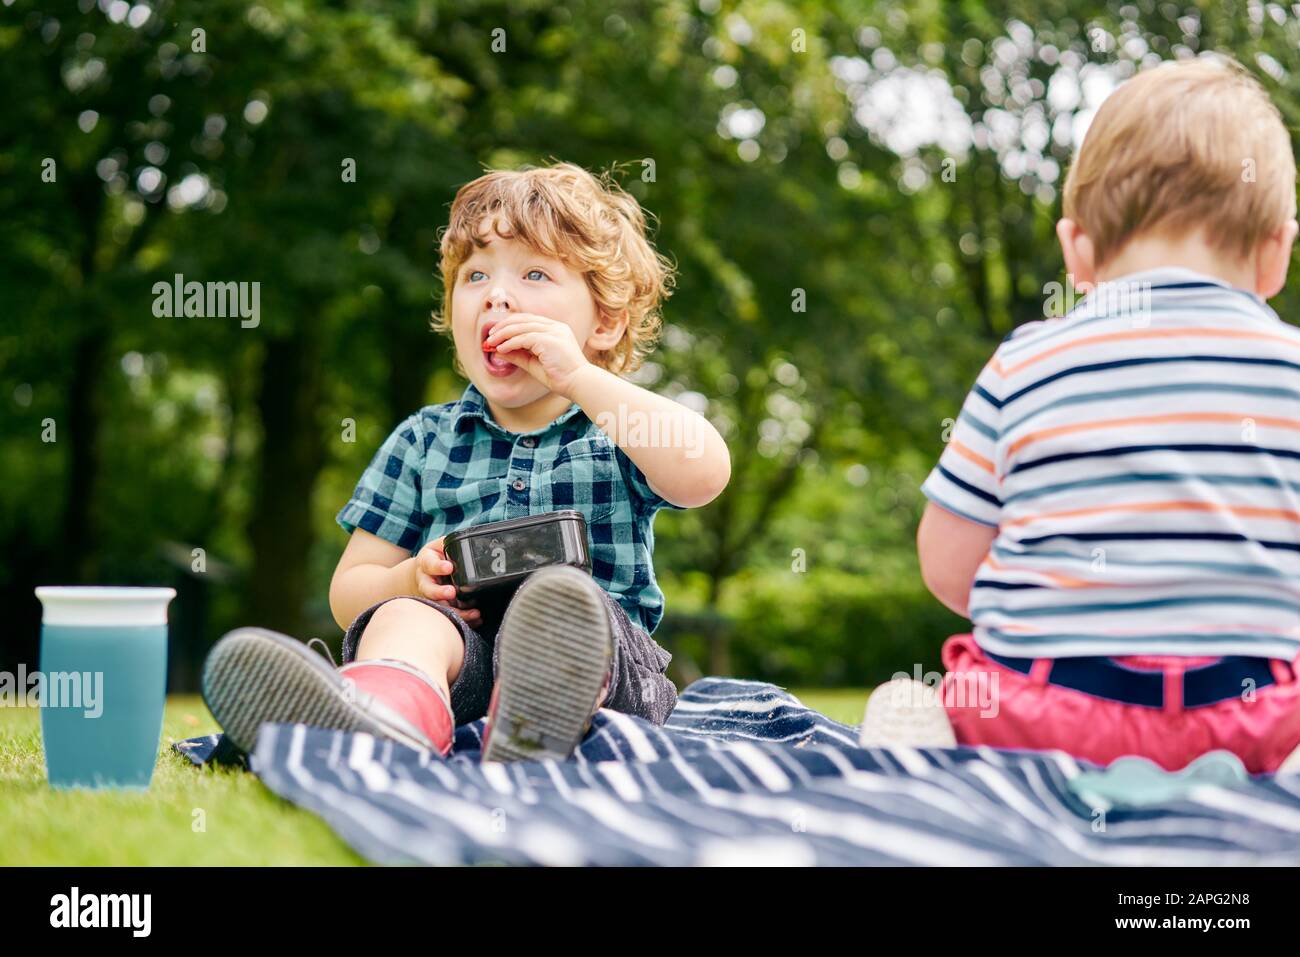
(593, 225)
(1190, 144)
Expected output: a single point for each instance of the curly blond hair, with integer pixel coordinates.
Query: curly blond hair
(591, 224)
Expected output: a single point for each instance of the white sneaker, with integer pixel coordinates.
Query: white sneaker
(908, 713)
(1292, 764)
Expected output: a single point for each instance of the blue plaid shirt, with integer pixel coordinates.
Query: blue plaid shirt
(450, 466)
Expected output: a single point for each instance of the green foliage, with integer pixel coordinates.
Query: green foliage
(826, 627)
(833, 627)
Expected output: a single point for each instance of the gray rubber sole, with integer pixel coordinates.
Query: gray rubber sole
(556, 648)
(254, 676)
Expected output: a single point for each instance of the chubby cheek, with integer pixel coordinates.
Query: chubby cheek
(579, 314)
(570, 301)
(463, 326)
(582, 332)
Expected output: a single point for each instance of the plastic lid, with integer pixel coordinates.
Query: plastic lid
(90, 605)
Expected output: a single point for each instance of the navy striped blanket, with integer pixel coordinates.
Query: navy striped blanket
(743, 773)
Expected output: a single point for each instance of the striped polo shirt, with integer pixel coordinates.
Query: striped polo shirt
(1140, 460)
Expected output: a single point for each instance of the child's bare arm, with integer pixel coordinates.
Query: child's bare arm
(369, 571)
(372, 569)
(691, 469)
(686, 473)
(950, 549)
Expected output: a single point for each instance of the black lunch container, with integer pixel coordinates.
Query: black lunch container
(490, 561)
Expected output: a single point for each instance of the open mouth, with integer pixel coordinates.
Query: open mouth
(496, 365)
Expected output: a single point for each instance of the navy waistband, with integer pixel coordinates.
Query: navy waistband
(1229, 677)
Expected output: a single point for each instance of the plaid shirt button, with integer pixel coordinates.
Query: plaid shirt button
(518, 485)
(529, 442)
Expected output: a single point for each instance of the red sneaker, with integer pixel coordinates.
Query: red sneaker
(556, 655)
(407, 690)
(254, 676)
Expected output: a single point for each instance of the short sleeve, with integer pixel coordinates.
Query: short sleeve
(386, 501)
(645, 498)
(966, 481)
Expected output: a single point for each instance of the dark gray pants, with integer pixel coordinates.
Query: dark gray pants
(639, 685)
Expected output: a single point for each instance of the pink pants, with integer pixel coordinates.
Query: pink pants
(1016, 710)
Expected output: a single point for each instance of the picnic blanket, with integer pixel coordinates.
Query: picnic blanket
(744, 773)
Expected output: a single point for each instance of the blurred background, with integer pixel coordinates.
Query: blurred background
(859, 197)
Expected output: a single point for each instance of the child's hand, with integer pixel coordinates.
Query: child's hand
(432, 568)
(544, 348)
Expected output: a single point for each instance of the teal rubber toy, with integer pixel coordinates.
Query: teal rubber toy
(1139, 782)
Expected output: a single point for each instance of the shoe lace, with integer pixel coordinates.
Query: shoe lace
(324, 648)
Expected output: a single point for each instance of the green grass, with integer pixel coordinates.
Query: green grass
(243, 822)
(842, 704)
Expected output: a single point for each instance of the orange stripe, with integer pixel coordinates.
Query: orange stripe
(1170, 419)
(973, 456)
(1065, 581)
(1147, 334)
(1245, 511)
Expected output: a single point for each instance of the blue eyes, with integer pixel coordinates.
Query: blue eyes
(478, 275)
